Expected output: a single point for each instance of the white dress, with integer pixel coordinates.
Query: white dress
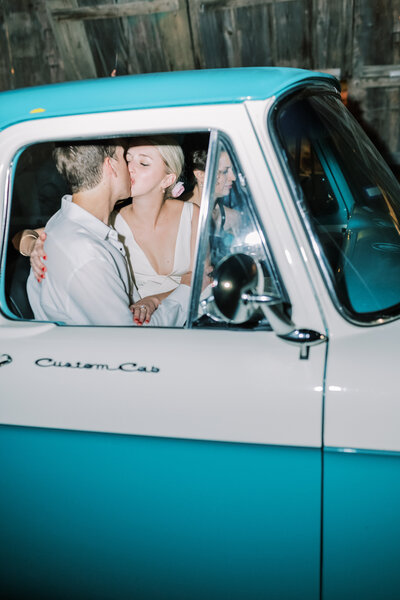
(147, 280)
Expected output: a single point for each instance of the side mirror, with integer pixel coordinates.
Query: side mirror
(238, 289)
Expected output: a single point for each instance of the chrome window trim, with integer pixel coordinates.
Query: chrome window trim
(5, 227)
(204, 221)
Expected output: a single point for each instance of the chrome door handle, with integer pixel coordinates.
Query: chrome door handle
(305, 338)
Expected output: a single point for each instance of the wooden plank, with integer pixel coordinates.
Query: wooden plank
(107, 11)
(377, 71)
(331, 25)
(72, 42)
(160, 42)
(374, 33)
(233, 33)
(379, 76)
(50, 53)
(7, 70)
(28, 45)
(225, 4)
(291, 35)
(380, 119)
(141, 43)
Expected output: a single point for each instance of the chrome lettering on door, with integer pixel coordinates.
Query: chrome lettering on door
(128, 367)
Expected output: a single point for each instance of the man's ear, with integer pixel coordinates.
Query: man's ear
(199, 174)
(109, 167)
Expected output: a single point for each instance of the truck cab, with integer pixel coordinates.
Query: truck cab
(253, 452)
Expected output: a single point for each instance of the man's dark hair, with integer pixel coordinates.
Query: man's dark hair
(81, 164)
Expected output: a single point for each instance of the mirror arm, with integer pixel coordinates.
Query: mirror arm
(260, 299)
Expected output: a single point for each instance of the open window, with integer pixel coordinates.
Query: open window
(229, 223)
(37, 190)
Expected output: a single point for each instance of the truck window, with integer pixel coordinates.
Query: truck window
(349, 200)
(232, 227)
(37, 192)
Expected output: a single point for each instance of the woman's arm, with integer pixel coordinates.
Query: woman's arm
(30, 242)
(144, 308)
(24, 241)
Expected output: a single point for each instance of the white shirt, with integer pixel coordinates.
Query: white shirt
(87, 280)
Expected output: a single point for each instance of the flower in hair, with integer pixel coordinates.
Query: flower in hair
(178, 189)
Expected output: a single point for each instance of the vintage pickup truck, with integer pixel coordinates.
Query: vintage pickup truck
(254, 452)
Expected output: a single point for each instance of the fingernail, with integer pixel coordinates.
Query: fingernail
(42, 276)
(43, 268)
(147, 321)
(44, 257)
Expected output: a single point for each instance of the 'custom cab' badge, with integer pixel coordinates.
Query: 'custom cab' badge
(128, 367)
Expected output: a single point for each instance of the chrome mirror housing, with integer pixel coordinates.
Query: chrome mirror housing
(238, 289)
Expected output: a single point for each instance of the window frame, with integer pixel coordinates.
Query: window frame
(216, 139)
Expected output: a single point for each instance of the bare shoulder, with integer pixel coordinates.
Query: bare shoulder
(174, 207)
(196, 210)
(174, 203)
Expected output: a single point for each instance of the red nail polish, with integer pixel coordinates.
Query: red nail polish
(44, 257)
(43, 268)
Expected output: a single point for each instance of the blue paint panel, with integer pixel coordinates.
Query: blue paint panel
(149, 91)
(361, 525)
(87, 515)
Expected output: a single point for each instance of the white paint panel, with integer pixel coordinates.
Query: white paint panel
(243, 386)
(218, 385)
(362, 406)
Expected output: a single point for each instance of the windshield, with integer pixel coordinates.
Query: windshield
(350, 201)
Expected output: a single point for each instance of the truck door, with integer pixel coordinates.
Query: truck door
(162, 462)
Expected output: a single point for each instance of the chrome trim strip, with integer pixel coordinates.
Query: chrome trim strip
(204, 218)
(5, 223)
(334, 450)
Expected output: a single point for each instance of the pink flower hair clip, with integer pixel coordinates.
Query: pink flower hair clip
(178, 189)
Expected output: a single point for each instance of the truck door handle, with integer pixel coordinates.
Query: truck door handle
(305, 338)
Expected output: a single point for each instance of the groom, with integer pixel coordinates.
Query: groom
(87, 281)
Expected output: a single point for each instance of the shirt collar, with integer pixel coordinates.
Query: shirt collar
(76, 213)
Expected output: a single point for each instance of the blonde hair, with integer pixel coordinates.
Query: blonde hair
(171, 153)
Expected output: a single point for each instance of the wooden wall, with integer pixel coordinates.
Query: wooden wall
(358, 40)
